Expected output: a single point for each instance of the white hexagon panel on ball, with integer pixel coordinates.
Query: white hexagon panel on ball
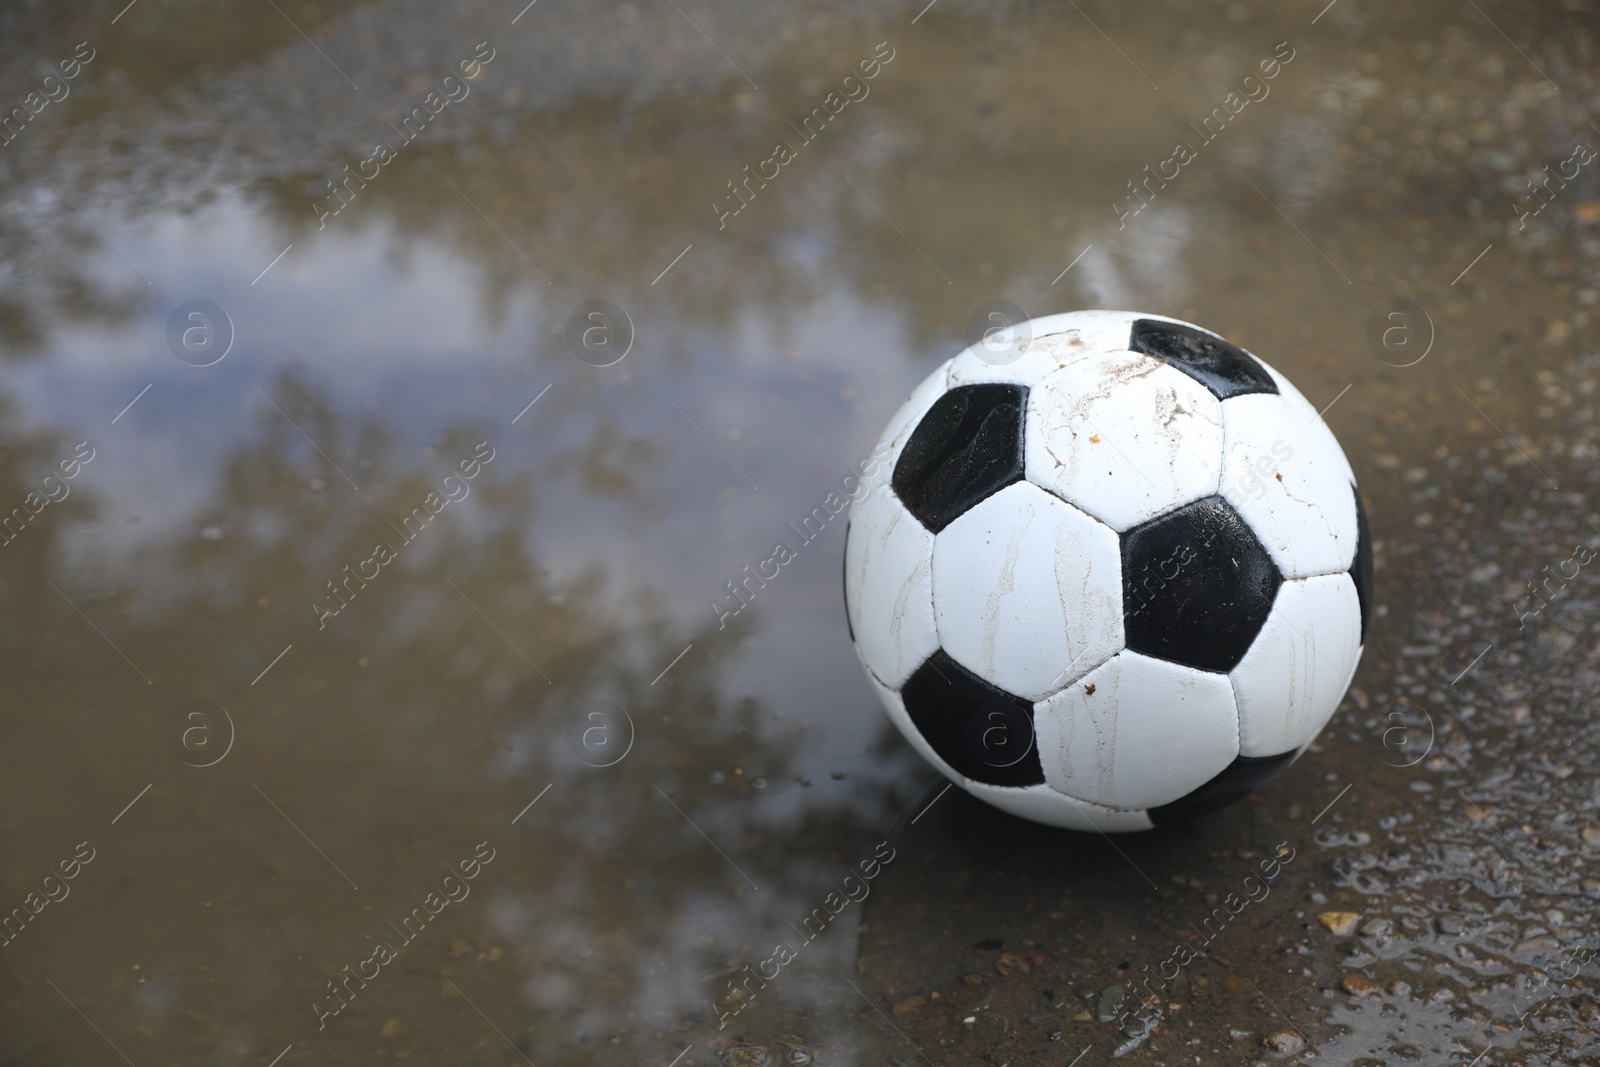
(1138, 732)
(1048, 805)
(1125, 437)
(1029, 352)
(1296, 671)
(1027, 591)
(1289, 479)
(888, 580)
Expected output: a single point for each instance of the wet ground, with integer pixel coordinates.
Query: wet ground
(514, 796)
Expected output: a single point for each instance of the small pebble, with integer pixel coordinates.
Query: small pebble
(746, 1056)
(1285, 1041)
(1591, 835)
(1008, 963)
(1340, 922)
(392, 1028)
(1359, 985)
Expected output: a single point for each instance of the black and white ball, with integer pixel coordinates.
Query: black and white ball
(1114, 574)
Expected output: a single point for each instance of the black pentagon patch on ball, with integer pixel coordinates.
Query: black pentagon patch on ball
(1196, 586)
(967, 447)
(982, 732)
(1242, 777)
(1222, 367)
(1361, 569)
(844, 572)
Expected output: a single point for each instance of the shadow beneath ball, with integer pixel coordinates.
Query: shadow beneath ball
(1028, 934)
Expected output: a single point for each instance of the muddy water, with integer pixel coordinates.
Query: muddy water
(515, 795)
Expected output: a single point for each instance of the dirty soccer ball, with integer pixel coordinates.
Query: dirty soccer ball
(1115, 573)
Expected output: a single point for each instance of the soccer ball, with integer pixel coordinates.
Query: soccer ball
(1115, 573)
